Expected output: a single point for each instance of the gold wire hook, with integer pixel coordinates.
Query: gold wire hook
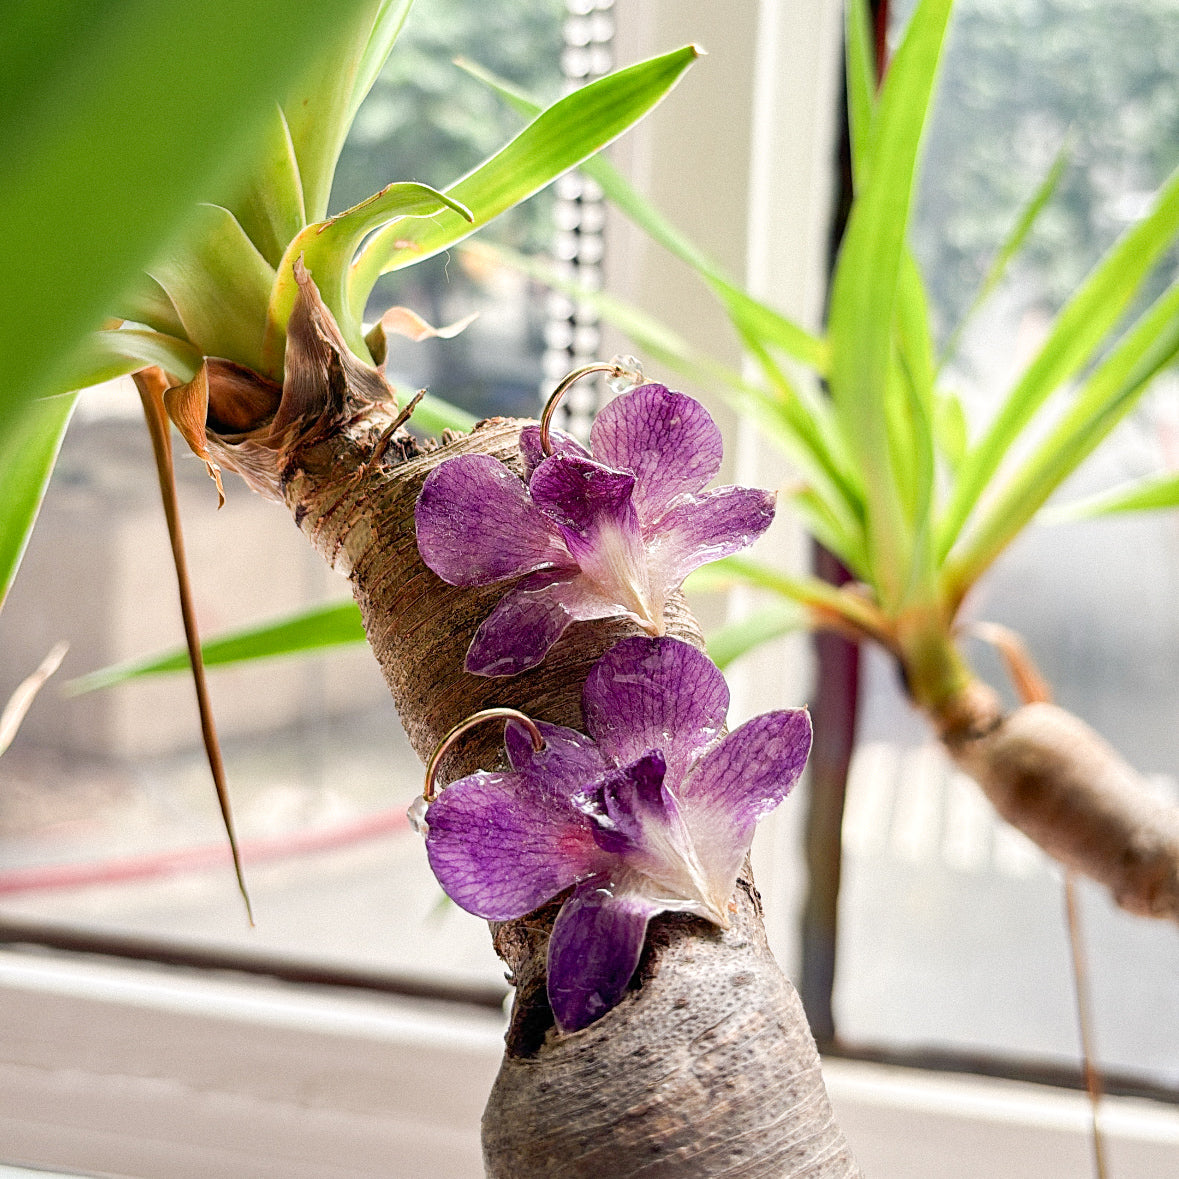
(429, 793)
(618, 367)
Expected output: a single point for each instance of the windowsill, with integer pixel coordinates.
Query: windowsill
(138, 1070)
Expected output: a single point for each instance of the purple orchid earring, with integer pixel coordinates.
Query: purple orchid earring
(650, 810)
(600, 533)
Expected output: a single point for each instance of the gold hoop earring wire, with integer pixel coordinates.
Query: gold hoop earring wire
(429, 791)
(619, 367)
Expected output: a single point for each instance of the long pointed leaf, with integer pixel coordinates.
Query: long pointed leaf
(220, 286)
(1076, 334)
(308, 631)
(1145, 495)
(1024, 224)
(747, 313)
(864, 289)
(1108, 395)
(558, 139)
(29, 443)
(321, 108)
(116, 118)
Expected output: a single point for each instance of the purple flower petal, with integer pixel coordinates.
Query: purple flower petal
(533, 456)
(701, 528)
(592, 505)
(517, 634)
(567, 754)
(626, 801)
(477, 524)
(646, 694)
(500, 847)
(596, 944)
(667, 439)
(740, 780)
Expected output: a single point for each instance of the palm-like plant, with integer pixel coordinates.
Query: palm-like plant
(248, 334)
(891, 485)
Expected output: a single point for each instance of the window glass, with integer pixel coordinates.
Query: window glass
(953, 931)
(108, 819)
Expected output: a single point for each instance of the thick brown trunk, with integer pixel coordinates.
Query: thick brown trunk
(1050, 775)
(708, 1066)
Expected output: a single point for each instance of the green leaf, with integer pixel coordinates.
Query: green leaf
(822, 600)
(558, 139)
(1024, 223)
(30, 439)
(116, 118)
(328, 248)
(1143, 495)
(861, 81)
(1075, 336)
(108, 354)
(950, 429)
(220, 286)
(1110, 392)
(321, 108)
(739, 638)
(433, 415)
(147, 303)
(865, 285)
(748, 314)
(269, 207)
(334, 625)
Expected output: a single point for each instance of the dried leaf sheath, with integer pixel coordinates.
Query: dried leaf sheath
(710, 1063)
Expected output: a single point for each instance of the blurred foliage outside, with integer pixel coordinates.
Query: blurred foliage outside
(1022, 78)
(426, 119)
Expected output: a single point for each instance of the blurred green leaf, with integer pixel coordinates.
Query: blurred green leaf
(735, 639)
(1076, 334)
(1009, 248)
(116, 119)
(220, 286)
(1109, 393)
(334, 625)
(558, 139)
(320, 110)
(1143, 495)
(869, 270)
(28, 449)
(108, 354)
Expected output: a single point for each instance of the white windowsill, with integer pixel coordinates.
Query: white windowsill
(121, 1069)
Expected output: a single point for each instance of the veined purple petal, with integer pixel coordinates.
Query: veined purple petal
(625, 801)
(593, 951)
(517, 634)
(592, 505)
(532, 454)
(663, 694)
(477, 524)
(667, 439)
(739, 781)
(566, 753)
(499, 847)
(697, 529)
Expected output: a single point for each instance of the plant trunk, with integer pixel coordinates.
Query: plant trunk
(707, 1067)
(1051, 776)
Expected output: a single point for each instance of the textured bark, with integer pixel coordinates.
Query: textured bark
(1049, 774)
(708, 1066)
